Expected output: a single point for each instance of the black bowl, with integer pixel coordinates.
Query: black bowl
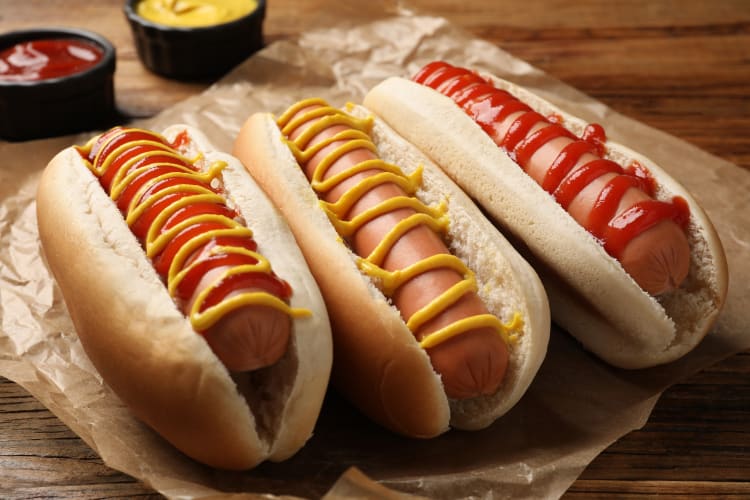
(58, 106)
(197, 53)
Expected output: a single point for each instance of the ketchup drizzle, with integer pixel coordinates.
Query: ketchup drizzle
(132, 149)
(489, 106)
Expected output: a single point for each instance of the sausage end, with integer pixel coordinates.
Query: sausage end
(472, 364)
(250, 337)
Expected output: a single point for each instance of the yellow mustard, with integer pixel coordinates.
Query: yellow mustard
(357, 135)
(194, 13)
(157, 238)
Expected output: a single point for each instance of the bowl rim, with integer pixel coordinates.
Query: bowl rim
(103, 65)
(133, 17)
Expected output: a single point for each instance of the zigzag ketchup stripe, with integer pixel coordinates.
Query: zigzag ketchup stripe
(489, 106)
(185, 224)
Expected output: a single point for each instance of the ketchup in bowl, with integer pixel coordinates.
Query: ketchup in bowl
(47, 58)
(55, 81)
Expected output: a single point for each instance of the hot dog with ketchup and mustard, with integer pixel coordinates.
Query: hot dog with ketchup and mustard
(437, 320)
(633, 266)
(188, 292)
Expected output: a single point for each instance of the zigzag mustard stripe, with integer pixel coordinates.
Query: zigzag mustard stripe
(322, 116)
(192, 186)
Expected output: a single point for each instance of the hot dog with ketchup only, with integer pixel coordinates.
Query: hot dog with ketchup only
(632, 265)
(437, 320)
(188, 293)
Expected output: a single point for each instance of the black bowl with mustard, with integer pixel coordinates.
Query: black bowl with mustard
(55, 81)
(195, 39)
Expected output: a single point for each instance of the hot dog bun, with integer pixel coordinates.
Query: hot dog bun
(590, 294)
(378, 364)
(144, 347)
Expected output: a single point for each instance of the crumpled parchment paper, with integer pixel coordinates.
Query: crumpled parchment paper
(575, 408)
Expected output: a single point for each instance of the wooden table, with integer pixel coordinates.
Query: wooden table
(679, 65)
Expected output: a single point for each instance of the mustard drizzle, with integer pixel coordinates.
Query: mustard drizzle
(157, 237)
(357, 136)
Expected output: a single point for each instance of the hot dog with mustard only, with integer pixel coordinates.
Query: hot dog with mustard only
(437, 320)
(632, 265)
(188, 293)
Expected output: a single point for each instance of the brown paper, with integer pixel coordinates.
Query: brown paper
(575, 408)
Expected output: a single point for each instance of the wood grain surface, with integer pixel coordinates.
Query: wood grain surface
(682, 66)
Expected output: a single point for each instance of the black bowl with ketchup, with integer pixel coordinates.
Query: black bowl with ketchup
(198, 52)
(55, 81)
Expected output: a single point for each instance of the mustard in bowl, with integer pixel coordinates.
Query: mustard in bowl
(195, 39)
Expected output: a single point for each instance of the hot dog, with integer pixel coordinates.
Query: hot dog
(597, 193)
(161, 246)
(471, 364)
(632, 265)
(192, 245)
(437, 321)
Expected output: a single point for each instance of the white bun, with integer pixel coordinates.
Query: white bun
(378, 364)
(590, 294)
(144, 347)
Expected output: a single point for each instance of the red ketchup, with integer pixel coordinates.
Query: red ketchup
(142, 151)
(45, 59)
(489, 106)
